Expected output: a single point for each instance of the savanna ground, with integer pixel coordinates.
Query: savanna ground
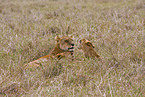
(115, 27)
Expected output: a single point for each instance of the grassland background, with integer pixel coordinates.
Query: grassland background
(115, 27)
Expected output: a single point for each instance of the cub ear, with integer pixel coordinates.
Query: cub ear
(57, 38)
(90, 44)
(82, 40)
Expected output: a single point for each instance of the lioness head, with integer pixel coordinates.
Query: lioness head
(65, 43)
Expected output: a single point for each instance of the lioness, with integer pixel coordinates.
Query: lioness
(88, 49)
(64, 47)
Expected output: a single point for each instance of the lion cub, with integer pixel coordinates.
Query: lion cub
(88, 49)
(64, 47)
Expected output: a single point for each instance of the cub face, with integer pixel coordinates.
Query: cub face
(85, 44)
(88, 49)
(65, 43)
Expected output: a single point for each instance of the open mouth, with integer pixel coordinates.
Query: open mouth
(71, 49)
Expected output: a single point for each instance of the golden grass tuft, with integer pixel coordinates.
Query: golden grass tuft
(115, 27)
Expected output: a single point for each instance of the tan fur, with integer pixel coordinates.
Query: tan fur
(62, 48)
(88, 49)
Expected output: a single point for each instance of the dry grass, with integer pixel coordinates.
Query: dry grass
(115, 27)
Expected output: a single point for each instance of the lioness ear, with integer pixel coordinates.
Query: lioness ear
(57, 38)
(90, 44)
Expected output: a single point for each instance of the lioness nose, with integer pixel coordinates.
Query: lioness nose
(72, 44)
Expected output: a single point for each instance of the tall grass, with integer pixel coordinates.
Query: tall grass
(115, 27)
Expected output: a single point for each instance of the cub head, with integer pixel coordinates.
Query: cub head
(85, 44)
(65, 43)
